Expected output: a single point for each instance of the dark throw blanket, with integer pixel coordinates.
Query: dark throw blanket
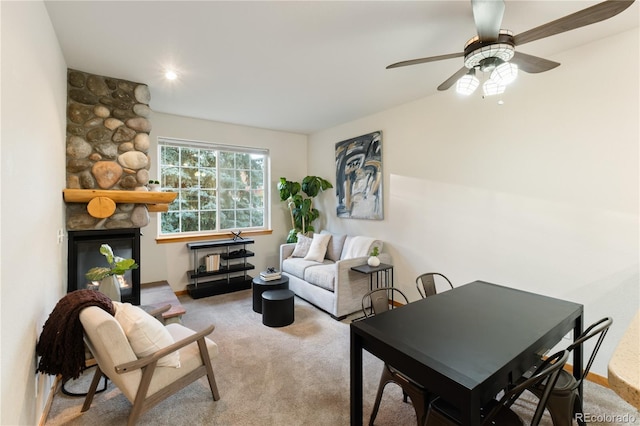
(60, 345)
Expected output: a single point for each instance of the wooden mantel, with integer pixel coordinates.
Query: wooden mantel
(102, 202)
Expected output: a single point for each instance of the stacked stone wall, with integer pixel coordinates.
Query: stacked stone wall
(107, 145)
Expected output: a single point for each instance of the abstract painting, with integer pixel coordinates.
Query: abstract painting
(359, 177)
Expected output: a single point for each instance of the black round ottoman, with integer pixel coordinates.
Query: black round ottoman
(260, 286)
(277, 308)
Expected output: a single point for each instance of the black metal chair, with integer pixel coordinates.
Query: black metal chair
(376, 302)
(498, 412)
(427, 285)
(564, 401)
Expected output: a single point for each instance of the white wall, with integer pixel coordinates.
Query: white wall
(288, 153)
(540, 193)
(33, 263)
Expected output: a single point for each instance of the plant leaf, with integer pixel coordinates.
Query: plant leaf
(97, 273)
(105, 249)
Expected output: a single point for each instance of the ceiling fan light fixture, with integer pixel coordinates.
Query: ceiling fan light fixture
(475, 50)
(468, 83)
(492, 88)
(505, 73)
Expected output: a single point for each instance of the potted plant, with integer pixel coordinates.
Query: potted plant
(373, 257)
(108, 276)
(300, 206)
(154, 185)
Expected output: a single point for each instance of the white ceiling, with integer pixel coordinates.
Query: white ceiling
(298, 66)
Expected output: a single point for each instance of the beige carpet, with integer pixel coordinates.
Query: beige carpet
(294, 375)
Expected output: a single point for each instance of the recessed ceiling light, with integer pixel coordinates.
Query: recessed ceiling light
(170, 75)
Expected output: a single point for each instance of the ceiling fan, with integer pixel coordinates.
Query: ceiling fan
(493, 49)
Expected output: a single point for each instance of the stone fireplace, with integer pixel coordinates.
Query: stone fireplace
(107, 146)
(107, 150)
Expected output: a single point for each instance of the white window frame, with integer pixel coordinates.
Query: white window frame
(184, 143)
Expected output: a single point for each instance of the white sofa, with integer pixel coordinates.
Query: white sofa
(331, 285)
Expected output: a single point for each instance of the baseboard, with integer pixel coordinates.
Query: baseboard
(592, 377)
(181, 292)
(47, 406)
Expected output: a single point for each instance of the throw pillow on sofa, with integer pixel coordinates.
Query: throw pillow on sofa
(302, 246)
(318, 247)
(334, 248)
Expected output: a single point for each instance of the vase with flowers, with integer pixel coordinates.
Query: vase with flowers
(108, 277)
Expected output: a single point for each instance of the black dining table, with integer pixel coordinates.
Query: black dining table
(465, 344)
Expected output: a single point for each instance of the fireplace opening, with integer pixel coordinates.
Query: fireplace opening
(84, 254)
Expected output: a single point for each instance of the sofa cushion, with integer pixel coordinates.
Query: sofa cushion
(318, 247)
(296, 266)
(334, 248)
(302, 246)
(359, 246)
(323, 276)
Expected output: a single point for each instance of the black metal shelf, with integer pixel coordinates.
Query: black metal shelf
(219, 243)
(212, 288)
(222, 271)
(231, 255)
(232, 275)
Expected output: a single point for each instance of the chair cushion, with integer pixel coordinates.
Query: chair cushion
(318, 247)
(145, 333)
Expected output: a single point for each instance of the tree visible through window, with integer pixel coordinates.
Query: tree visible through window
(219, 188)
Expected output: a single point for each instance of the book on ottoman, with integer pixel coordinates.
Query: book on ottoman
(270, 274)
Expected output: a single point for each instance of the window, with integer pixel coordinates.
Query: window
(220, 188)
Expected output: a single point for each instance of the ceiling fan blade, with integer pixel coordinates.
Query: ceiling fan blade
(424, 60)
(533, 64)
(449, 82)
(588, 16)
(487, 15)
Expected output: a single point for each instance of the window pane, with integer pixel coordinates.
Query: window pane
(208, 199)
(243, 219)
(189, 157)
(170, 177)
(217, 190)
(227, 219)
(207, 178)
(227, 200)
(257, 162)
(243, 161)
(257, 218)
(208, 158)
(242, 199)
(227, 179)
(257, 199)
(170, 223)
(189, 221)
(227, 160)
(189, 177)
(207, 220)
(242, 179)
(257, 179)
(190, 200)
(170, 155)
